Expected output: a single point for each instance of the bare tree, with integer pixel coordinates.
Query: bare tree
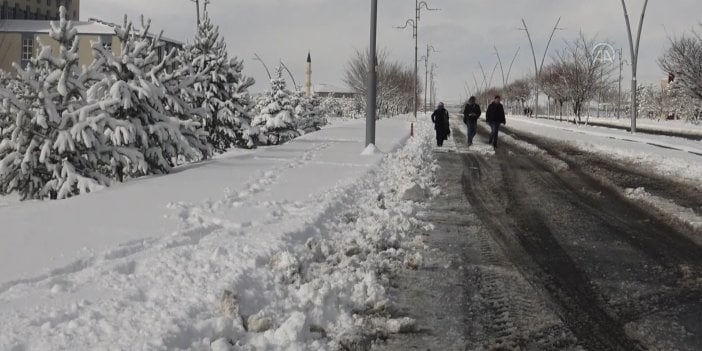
(395, 82)
(684, 60)
(582, 73)
(554, 86)
(519, 91)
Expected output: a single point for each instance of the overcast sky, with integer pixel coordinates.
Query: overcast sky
(464, 31)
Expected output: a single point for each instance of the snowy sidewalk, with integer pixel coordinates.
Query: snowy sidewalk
(96, 270)
(64, 235)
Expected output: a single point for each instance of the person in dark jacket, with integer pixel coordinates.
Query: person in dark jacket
(471, 114)
(440, 117)
(495, 116)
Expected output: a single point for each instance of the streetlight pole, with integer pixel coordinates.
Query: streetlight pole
(290, 74)
(415, 30)
(426, 73)
(372, 76)
(537, 68)
(268, 72)
(634, 60)
(433, 84)
(197, 12)
(415, 36)
(505, 79)
(619, 96)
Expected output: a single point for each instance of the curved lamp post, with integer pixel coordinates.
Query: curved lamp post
(634, 47)
(537, 68)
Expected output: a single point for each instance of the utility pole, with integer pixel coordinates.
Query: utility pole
(415, 35)
(537, 68)
(197, 12)
(634, 47)
(426, 74)
(372, 76)
(433, 85)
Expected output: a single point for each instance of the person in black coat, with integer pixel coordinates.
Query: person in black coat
(471, 114)
(495, 117)
(440, 117)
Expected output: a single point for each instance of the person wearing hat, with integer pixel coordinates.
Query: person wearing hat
(440, 117)
(471, 114)
(495, 116)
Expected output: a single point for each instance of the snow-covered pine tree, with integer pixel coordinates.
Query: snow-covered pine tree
(310, 117)
(54, 149)
(276, 121)
(241, 103)
(148, 121)
(223, 93)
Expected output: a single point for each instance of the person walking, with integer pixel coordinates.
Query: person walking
(471, 114)
(495, 116)
(440, 117)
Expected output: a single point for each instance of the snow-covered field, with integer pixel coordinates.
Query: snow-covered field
(678, 158)
(282, 248)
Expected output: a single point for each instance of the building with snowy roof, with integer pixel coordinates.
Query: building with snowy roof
(38, 9)
(19, 40)
(329, 90)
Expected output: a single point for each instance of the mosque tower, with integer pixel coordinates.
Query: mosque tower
(308, 79)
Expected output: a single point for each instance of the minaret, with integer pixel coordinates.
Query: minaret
(308, 80)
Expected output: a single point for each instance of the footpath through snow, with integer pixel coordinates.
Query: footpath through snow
(284, 248)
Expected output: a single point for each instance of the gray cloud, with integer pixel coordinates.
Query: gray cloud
(464, 31)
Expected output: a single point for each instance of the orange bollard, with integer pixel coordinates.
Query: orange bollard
(412, 129)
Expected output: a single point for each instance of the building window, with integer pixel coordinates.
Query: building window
(3, 14)
(27, 48)
(106, 41)
(27, 13)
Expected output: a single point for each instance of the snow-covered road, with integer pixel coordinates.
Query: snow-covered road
(548, 251)
(677, 158)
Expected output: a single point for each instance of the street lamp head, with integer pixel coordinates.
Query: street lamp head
(407, 24)
(426, 6)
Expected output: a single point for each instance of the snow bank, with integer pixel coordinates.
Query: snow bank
(677, 158)
(685, 215)
(283, 248)
(678, 126)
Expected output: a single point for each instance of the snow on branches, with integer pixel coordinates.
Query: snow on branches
(276, 121)
(140, 109)
(223, 96)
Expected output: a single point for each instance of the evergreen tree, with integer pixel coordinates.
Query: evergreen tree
(276, 121)
(54, 145)
(151, 119)
(240, 103)
(223, 94)
(310, 116)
